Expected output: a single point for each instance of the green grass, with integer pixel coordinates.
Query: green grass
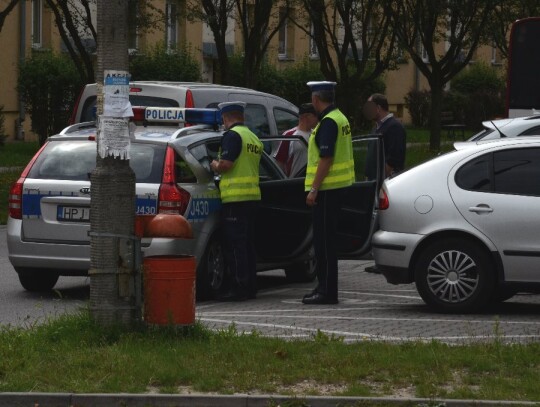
(419, 153)
(17, 153)
(72, 354)
(421, 135)
(6, 179)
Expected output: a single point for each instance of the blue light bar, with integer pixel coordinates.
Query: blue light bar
(203, 116)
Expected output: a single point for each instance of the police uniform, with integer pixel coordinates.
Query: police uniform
(331, 138)
(240, 193)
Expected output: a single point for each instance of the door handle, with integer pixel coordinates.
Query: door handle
(482, 208)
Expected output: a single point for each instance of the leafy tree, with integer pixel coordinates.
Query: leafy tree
(441, 37)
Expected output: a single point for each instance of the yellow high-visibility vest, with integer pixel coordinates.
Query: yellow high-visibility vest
(341, 172)
(241, 182)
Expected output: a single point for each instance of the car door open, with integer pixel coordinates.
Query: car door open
(358, 215)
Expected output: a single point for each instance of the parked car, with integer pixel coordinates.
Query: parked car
(49, 205)
(517, 127)
(266, 115)
(464, 226)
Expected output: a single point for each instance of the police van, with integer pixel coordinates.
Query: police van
(49, 206)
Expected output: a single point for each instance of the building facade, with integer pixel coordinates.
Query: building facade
(30, 27)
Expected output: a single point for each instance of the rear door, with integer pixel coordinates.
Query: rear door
(284, 222)
(56, 193)
(358, 215)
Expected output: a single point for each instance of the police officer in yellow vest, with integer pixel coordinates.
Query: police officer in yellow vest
(238, 164)
(330, 169)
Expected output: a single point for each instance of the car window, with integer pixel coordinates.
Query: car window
(517, 171)
(533, 131)
(481, 135)
(76, 159)
(183, 171)
(476, 174)
(285, 120)
(206, 152)
(257, 120)
(88, 113)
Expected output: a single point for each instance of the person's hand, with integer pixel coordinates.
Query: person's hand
(214, 165)
(311, 199)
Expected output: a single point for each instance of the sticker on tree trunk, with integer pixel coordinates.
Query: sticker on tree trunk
(116, 94)
(113, 137)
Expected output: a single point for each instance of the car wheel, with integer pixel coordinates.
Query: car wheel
(211, 276)
(454, 276)
(36, 280)
(304, 272)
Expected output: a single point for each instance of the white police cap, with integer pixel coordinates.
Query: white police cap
(321, 85)
(227, 107)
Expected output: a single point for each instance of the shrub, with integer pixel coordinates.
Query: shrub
(418, 102)
(159, 64)
(476, 95)
(49, 84)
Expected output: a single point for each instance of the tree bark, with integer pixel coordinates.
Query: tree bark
(437, 92)
(112, 211)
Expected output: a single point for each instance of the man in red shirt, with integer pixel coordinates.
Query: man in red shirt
(291, 155)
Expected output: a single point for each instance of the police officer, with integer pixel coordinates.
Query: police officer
(238, 165)
(330, 169)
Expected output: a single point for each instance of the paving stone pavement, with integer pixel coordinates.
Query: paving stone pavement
(371, 309)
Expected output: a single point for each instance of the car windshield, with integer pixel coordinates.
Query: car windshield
(76, 159)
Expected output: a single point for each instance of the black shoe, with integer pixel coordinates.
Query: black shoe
(373, 269)
(233, 296)
(319, 299)
(311, 294)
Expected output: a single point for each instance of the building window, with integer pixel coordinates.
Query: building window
(282, 35)
(37, 15)
(172, 25)
(313, 50)
(425, 56)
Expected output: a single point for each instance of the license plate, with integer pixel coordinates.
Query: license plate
(73, 214)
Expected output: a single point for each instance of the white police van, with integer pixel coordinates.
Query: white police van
(49, 205)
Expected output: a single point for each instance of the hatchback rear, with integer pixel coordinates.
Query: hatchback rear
(50, 205)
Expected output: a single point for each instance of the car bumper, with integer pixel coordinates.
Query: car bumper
(393, 252)
(74, 259)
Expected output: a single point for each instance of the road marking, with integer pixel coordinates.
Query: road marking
(365, 335)
(380, 295)
(256, 314)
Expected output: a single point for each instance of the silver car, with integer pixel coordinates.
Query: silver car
(49, 206)
(464, 226)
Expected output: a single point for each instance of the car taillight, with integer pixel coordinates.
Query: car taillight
(189, 103)
(16, 190)
(172, 198)
(384, 202)
(15, 199)
(189, 99)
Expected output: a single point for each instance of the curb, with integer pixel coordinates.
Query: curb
(170, 400)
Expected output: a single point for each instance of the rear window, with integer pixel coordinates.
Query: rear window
(76, 159)
(88, 113)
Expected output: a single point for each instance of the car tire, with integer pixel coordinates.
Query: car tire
(304, 272)
(211, 273)
(454, 275)
(36, 280)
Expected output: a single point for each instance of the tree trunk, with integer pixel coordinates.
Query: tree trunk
(112, 212)
(435, 117)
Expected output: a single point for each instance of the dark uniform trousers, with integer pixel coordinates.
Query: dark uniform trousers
(238, 220)
(325, 222)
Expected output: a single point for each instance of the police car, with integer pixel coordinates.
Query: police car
(49, 206)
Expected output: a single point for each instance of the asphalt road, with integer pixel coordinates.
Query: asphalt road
(369, 309)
